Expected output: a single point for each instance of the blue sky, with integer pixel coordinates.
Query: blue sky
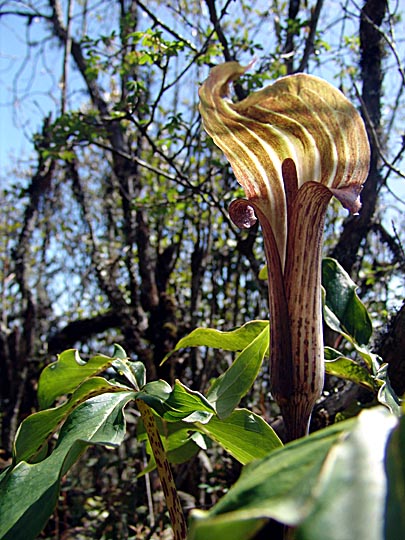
(10, 136)
(20, 119)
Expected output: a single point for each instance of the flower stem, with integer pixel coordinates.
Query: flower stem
(176, 514)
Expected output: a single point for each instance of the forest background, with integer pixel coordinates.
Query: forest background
(114, 224)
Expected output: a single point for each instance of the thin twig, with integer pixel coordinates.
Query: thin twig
(309, 45)
(66, 56)
(166, 27)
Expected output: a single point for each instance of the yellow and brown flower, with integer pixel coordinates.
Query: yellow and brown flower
(292, 146)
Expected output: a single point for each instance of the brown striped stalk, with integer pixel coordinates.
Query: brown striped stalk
(292, 145)
(174, 508)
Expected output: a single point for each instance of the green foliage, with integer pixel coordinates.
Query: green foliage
(395, 470)
(181, 403)
(153, 47)
(233, 340)
(330, 485)
(338, 365)
(71, 130)
(258, 437)
(63, 377)
(35, 430)
(179, 444)
(226, 391)
(92, 414)
(345, 314)
(304, 484)
(28, 492)
(344, 311)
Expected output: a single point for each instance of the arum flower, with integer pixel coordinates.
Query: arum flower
(292, 146)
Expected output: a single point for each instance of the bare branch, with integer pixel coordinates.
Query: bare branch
(309, 44)
(68, 48)
(289, 52)
(62, 34)
(218, 29)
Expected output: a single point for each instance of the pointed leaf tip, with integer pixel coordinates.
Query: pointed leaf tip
(349, 197)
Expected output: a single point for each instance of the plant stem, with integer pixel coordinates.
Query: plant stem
(289, 533)
(177, 518)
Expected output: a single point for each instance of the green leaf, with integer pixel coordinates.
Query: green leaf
(372, 360)
(344, 311)
(259, 439)
(134, 372)
(395, 467)
(245, 435)
(36, 429)
(223, 527)
(350, 502)
(119, 352)
(276, 486)
(64, 376)
(264, 273)
(181, 403)
(29, 492)
(346, 368)
(234, 340)
(330, 485)
(386, 394)
(228, 389)
(139, 371)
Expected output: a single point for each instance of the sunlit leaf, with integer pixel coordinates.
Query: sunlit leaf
(346, 368)
(345, 311)
(35, 430)
(228, 389)
(245, 435)
(234, 340)
(386, 394)
(351, 499)
(64, 376)
(134, 372)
